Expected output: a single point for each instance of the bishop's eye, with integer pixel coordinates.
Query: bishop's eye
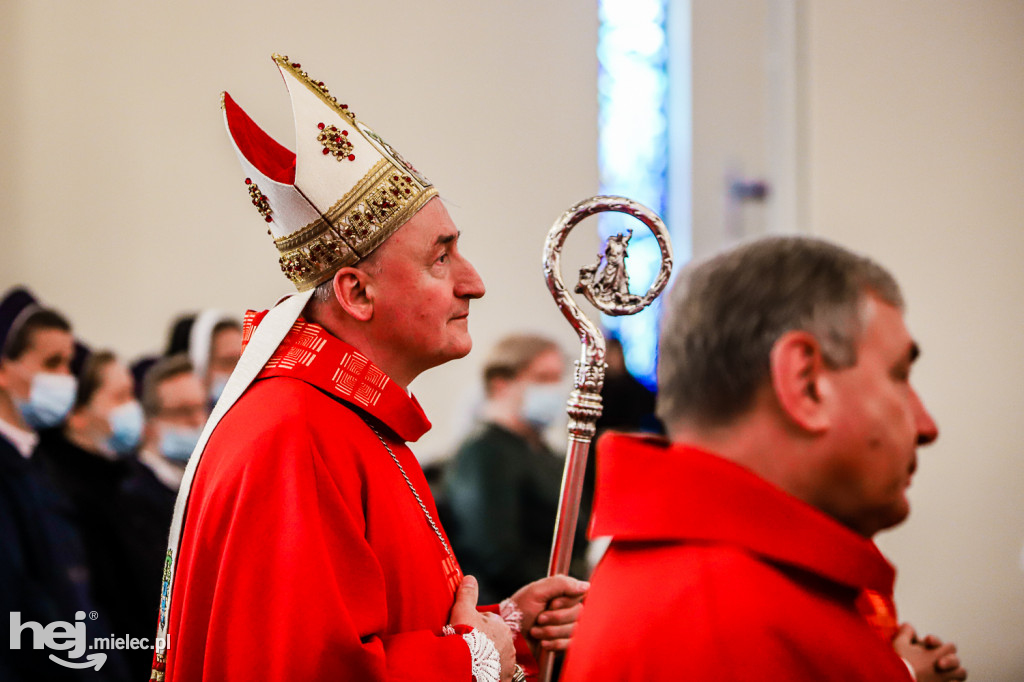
(443, 258)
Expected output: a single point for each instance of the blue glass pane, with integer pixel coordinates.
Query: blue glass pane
(633, 152)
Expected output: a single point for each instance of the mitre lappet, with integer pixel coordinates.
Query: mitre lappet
(338, 196)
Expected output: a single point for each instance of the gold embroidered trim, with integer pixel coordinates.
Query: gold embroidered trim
(353, 227)
(316, 87)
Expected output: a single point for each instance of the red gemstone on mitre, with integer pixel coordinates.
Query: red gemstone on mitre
(337, 138)
(296, 65)
(351, 157)
(321, 84)
(344, 106)
(345, 133)
(326, 151)
(269, 219)
(321, 126)
(248, 181)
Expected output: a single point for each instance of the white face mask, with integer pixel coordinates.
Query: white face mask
(50, 399)
(125, 428)
(178, 442)
(543, 404)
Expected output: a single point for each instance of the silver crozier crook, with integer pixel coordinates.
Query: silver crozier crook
(606, 285)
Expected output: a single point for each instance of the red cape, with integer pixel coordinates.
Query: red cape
(304, 555)
(715, 574)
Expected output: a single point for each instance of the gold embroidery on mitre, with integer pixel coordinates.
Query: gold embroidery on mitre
(259, 200)
(317, 87)
(312, 254)
(382, 201)
(335, 142)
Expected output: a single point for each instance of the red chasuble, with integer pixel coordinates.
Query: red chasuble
(305, 555)
(715, 574)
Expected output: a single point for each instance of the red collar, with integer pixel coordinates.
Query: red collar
(309, 353)
(648, 489)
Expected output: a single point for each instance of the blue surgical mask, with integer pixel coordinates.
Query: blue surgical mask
(178, 442)
(126, 425)
(50, 399)
(543, 403)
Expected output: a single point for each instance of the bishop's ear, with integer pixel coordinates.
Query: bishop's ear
(350, 289)
(797, 368)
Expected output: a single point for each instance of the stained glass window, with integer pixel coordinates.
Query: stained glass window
(633, 153)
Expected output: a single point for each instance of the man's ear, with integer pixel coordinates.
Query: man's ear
(797, 366)
(350, 288)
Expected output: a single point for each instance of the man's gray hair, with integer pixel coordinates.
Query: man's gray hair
(724, 315)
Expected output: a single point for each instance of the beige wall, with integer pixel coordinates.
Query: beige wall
(909, 146)
(123, 203)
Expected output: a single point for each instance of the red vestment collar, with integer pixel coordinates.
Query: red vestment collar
(311, 354)
(649, 489)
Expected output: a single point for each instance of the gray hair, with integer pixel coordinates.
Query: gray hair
(724, 315)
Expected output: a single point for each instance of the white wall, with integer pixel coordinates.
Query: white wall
(123, 203)
(909, 146)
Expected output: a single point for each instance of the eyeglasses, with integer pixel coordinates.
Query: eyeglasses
(183, 412)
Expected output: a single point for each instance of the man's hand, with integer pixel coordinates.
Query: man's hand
(932, 660)
(551, 607)
(464, 613)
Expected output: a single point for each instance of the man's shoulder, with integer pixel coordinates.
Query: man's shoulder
(282, 422)
(733, 586)
(286, 403)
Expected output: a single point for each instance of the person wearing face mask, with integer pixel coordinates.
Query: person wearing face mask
(213, 341)
(90, 456)
(174, 403)
(44, 572)
(502, 487)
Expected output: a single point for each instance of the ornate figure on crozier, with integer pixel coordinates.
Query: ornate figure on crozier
(609, 283)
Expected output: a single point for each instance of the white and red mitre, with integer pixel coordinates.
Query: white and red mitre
(338, 196)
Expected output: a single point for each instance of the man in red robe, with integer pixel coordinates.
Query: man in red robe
(741, 547)
(306, 544)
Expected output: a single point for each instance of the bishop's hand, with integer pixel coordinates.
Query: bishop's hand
(464, 613)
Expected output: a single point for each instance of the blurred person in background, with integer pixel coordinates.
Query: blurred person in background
(90, 456)
(501, 490)
(213, 341)
(174, 404)
(44, 574)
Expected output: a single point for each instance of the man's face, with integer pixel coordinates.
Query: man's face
(182, 400)
(879, 421)
(225, 350)
(48, 350)
(421, 293)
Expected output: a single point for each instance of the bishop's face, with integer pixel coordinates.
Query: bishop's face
(421, 289)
